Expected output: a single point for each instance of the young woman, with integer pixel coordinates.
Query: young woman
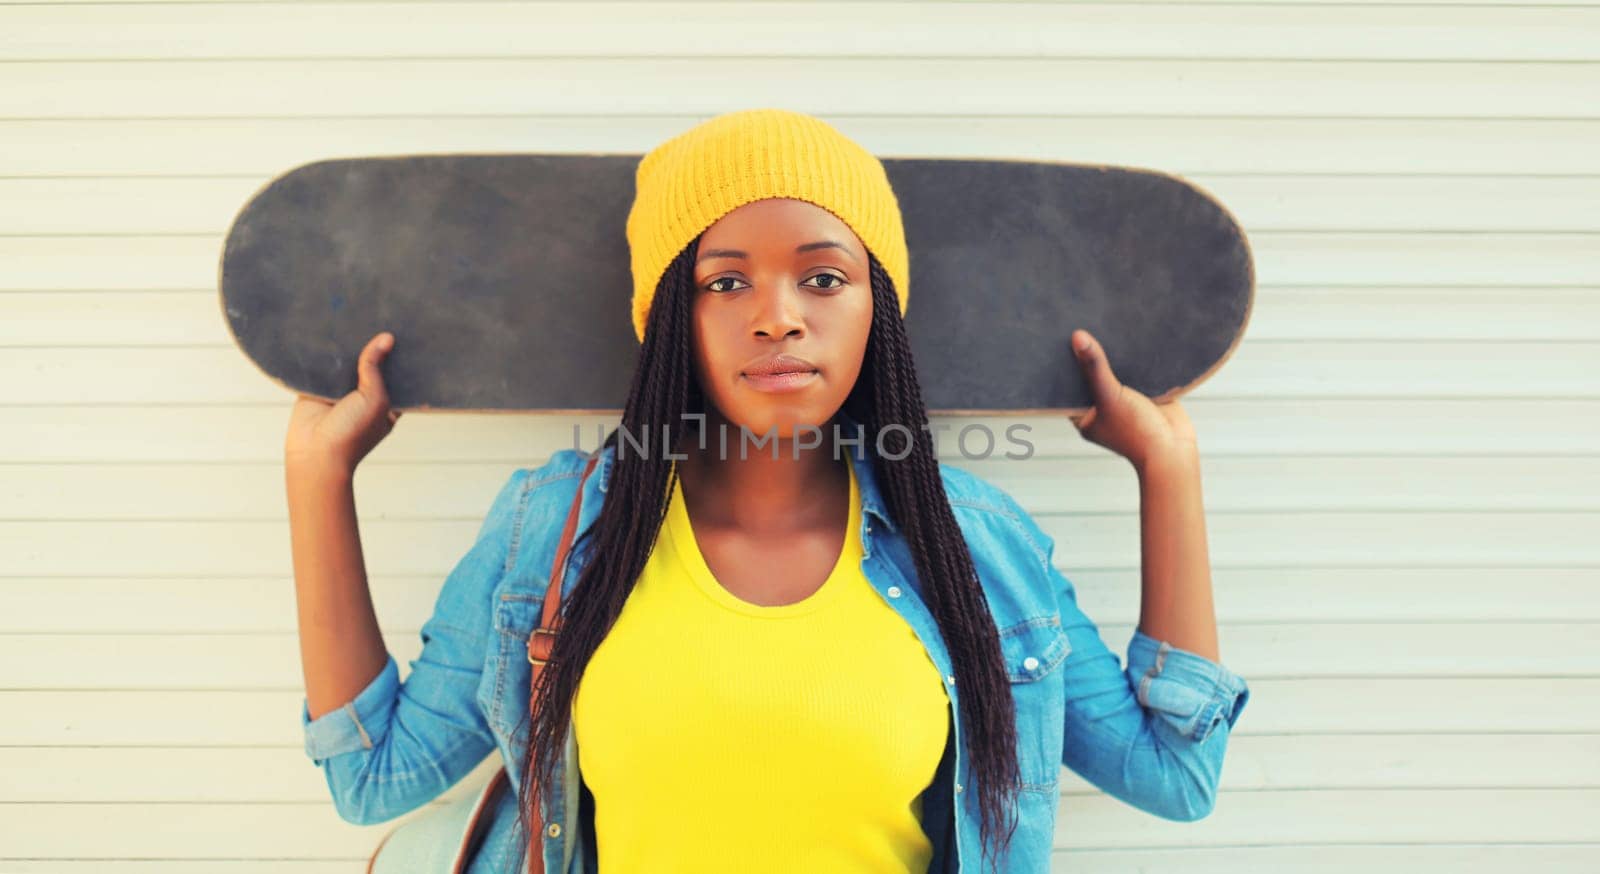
(794, 655)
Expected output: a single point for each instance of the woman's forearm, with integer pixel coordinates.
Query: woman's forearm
(1175, 604)
(341, 647)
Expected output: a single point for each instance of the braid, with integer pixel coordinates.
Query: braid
(663, 392)
(914, 490)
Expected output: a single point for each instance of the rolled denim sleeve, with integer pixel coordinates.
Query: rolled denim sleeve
(346, 729)
(397, 745)
(1191, 693)
(1152, 734)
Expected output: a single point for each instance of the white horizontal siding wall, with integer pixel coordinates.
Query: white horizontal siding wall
(1402, 471)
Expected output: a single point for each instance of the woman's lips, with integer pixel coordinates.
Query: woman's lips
(780, 382)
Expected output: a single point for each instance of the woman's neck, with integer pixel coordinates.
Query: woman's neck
(767, 489)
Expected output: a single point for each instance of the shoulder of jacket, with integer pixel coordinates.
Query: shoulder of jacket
(966, 489)
(536, 498)
(972, 494)
(529, 488)
(562, 464)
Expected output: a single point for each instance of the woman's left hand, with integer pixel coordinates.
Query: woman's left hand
(1123, 419)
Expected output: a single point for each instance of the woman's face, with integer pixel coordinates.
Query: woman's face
(779, 276)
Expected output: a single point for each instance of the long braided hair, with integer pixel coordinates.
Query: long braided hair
(663, 392)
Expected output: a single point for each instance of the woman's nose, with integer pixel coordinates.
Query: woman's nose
(779, 311)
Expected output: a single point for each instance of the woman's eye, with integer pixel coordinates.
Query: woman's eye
(836, 282)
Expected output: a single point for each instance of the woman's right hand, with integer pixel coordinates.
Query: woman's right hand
(341, 434)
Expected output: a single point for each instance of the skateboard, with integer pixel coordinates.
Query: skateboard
(505, 279)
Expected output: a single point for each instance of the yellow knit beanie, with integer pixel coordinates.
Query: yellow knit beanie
(687, 183)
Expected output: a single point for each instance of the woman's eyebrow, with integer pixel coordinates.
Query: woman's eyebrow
(802, 248)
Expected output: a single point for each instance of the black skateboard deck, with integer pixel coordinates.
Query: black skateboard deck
(505, 279)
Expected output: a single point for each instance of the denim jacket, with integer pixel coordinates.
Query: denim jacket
(1152, 734)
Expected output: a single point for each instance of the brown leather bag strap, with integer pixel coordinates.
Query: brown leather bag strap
(542, 640)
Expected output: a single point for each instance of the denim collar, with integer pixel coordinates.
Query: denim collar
(860, 458)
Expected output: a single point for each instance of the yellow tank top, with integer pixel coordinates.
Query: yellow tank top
(721, 735)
